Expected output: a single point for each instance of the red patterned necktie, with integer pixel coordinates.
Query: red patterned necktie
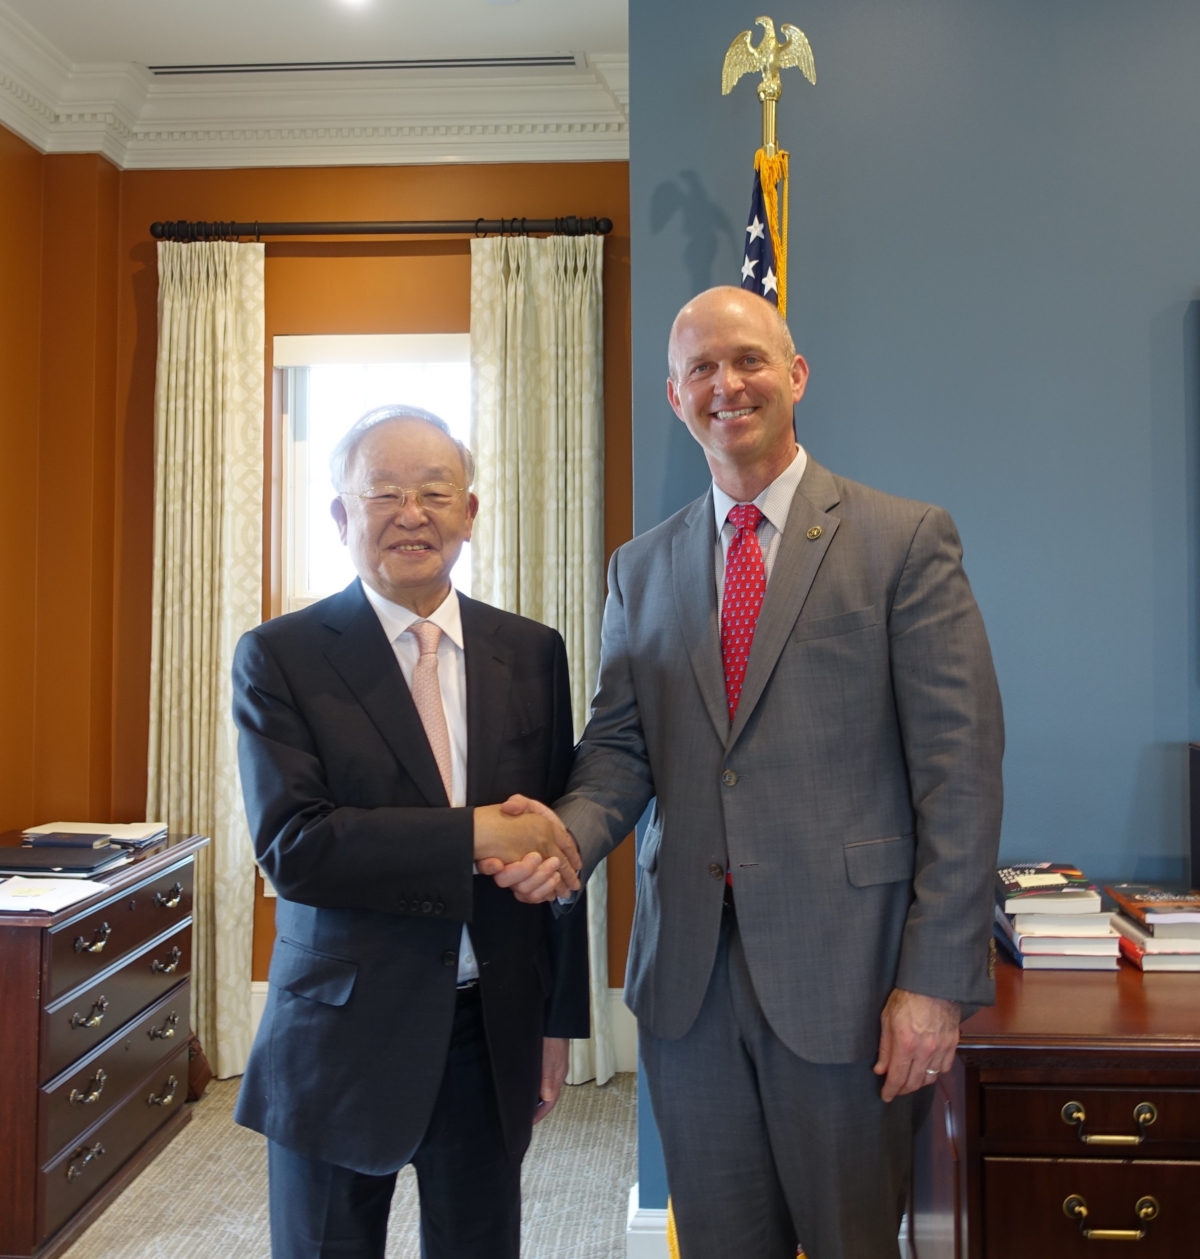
(745, 586)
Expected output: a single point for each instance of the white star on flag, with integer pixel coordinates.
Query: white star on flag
(769, 282)
(748, 268)
(756, 229)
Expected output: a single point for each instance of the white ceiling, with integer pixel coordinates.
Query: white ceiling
(170, 32)
(74, 79)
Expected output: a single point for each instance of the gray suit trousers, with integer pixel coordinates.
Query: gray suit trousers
(764, 1150)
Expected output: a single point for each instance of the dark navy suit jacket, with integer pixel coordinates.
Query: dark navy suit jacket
(374, 874)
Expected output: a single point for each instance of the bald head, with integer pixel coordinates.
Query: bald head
(734, 378)
(725, 303)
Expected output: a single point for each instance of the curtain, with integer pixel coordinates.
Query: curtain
(208, 501)
(537, 360)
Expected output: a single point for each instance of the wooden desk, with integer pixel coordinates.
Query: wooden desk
(94, 1017)
(1040, 1111)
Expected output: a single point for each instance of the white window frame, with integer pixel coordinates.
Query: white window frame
(295, 354)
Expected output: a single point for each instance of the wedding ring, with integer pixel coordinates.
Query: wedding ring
(929, 1072)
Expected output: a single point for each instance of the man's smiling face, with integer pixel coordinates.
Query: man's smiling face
(406, 555)
(733, 381)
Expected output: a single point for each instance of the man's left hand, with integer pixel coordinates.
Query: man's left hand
(917, 1041)
(555, 1059)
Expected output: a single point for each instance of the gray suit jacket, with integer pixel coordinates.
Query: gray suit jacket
(856, 797)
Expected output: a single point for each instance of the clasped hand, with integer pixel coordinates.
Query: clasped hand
(524, 847)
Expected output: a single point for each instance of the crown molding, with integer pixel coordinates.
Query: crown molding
(143, 122)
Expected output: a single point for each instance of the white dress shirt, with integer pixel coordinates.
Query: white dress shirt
(452, 680)
(774, 502)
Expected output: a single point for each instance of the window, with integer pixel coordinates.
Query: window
(329, 381)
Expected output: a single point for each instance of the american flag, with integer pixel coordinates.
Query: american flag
(758, 267)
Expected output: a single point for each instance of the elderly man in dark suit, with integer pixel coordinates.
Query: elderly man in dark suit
(795, 671)
(418, 1011)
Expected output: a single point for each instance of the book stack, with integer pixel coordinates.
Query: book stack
(1049, 917)
(1159, 929)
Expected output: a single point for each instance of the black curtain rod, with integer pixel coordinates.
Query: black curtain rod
(569, 226)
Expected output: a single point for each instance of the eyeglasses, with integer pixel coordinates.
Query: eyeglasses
(388, 499)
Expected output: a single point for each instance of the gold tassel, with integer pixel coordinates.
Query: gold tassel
(773, 171)
(672, 1236)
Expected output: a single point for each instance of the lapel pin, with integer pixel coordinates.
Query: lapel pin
(815, 532)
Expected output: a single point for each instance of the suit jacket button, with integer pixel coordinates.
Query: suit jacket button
(718, 872)
(449, 958)
(426, 907)
(729, 778)
(439, 908)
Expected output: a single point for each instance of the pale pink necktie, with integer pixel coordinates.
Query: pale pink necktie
(427, 695)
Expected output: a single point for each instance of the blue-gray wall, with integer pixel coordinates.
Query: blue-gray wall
(995, 261)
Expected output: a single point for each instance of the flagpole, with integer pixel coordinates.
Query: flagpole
(770, 162)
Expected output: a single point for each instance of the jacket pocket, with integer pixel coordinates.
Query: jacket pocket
(307, 973)
(647, 857)
(829, 626)
(875, 861)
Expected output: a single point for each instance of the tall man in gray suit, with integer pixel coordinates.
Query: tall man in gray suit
(795, 671)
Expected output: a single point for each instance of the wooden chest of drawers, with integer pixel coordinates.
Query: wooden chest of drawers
(1071, 1122)
(94, 1018)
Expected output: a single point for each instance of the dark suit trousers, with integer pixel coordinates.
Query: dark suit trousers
(765, 1151)
(469, 1184)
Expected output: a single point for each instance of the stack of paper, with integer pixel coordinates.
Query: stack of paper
(131, 834)
(20, 895)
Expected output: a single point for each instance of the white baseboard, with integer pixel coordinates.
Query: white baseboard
(620, 1021)
(645, 1230)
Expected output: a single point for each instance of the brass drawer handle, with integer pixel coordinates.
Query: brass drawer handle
(1144, 1114)
(1146, 1209)
(97, 943)
(167, 1030)
(94, 1089)
(167, 968)
(81, 1158)
(93, 1019)
(167, 1096)
(168, 900)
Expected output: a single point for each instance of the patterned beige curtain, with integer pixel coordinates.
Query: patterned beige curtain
(208, 501)
(537, 360)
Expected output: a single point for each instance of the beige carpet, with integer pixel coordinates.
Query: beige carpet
(214, 1175)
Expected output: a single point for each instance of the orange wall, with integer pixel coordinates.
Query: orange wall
(20, 345)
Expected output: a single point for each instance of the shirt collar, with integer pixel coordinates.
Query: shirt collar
(774, 502)
(447, 616)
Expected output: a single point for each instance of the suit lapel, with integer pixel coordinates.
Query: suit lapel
(693, 571)
(364, 658)
(489, 681)
(796, 565)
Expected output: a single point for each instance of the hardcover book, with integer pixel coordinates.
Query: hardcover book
(1151, 905)
(1042, 887)
(1159, 961)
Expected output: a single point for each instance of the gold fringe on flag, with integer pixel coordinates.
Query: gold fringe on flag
(773, 171)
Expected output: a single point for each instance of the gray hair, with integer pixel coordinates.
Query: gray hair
(343, 452)
(789, 344)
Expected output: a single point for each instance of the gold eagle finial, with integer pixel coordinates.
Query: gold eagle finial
(768, 58)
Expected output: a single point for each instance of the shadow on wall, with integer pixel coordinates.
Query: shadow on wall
(706, 232)
(702, 221)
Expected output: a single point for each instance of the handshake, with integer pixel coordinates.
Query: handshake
(524, 847)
